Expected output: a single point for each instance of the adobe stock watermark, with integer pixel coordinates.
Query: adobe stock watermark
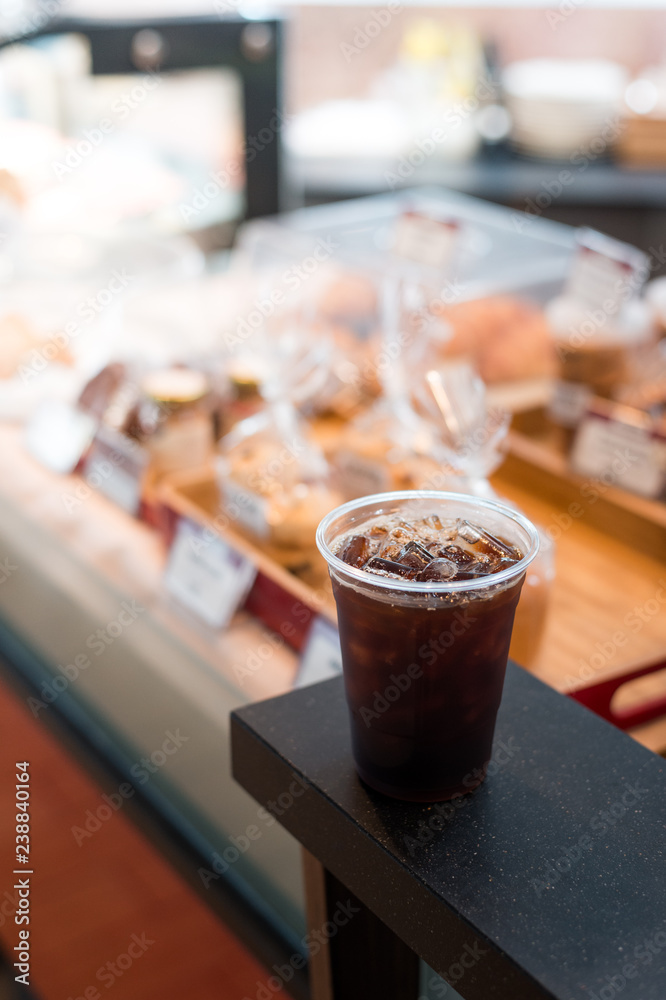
(109, 973)
(595, 319)
(428, 653)
(563, 11)
(443, 812)
(313, 942)
(451, 120)
(97, 642)
(469, 956)
(142, 771)
(264, 652)
(291, 280)
(644, 953)
(240, 845)
(365, 33)
(624, 289)
(590, 492)
(554, 869)
(391, 351)
(8, 906)
(581, 159)
(220, 180)
(16, 22)
(605, 651)
(79, 152)
(87, 309)
(7, 569)
(94, 481)
(223, 7)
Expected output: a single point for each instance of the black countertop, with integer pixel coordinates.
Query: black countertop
(549, 881)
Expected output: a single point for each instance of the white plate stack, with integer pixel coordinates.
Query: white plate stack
(561, 106)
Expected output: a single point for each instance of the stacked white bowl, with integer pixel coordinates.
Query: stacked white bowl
(560, 106)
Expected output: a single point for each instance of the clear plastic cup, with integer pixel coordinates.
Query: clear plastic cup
(424, 663)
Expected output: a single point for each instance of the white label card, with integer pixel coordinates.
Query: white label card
(569, 403)
(246, 507)
(605, 272)
(321, 658)
(206, 575)
(58, 435)
(427, 241)
(620, 454)
(361, 476)
(116, 466)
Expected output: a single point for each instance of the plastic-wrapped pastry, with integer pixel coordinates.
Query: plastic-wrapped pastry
(600, 351)
(505, 338)
(275, 486)
(454, 398)
(388, 447)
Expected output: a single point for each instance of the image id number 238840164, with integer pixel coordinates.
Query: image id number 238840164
(23, 868)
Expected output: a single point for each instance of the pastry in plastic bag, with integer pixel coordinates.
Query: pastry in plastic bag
(275, 483)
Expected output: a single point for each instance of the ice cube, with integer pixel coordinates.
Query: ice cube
(395, 541)
(437, 570)
(414, 555)
(486, 542)
(355, 550)
(377, 531)
(468, 531)
(461, 557)
(480, 565)
(446, 530)
(386, 567)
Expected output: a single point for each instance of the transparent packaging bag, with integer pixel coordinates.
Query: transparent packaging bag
(454, 399)
(275, 486)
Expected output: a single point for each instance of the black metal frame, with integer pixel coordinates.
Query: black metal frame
(204, 43)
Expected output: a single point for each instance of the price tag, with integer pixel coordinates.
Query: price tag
(247, 508)
(605, 272)
(427, 241)
(360, 476)
(621, 454)
(116, 466)
(206, 575)
(58, 435)
(321, 657)
(569, 403)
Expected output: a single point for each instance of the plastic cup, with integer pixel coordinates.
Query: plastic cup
(424, 663)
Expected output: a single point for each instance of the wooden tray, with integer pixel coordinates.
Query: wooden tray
(277, 596)
(539, 460)
(608, 602)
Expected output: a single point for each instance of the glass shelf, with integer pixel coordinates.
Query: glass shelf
(87, 599)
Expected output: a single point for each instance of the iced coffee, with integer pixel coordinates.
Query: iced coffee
(426, 586)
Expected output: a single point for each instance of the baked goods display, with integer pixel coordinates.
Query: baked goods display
(275, 486)
(387, 447)
(506, 338)
(326, 380)
(167, 411)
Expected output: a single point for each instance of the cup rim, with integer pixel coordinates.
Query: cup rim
(427, 587)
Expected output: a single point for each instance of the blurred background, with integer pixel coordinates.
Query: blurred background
(351, 94)
(414, 245)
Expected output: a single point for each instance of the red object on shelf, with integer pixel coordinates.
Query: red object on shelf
(598, 698)
(277, 608)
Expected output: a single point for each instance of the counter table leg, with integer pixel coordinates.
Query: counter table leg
(363, 959)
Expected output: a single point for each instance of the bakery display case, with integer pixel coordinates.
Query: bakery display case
(162, 477)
